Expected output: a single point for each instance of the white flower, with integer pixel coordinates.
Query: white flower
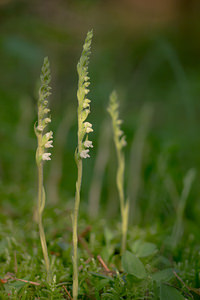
(86, 112)
(88, 130)
(123, 141)
(49, 144)
(84, 154)
(88, 127)
(46, 110)
(49, 135)
(46, 156)
(87, 84)
(120, 132)
(85, 104)
(119, 122)
(87, 124)
(47, 120)
(40, 127)
(88, 144)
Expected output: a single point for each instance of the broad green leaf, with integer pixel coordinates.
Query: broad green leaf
(164, 275)
(101, 284)
(168, 292)
(143, 249)
(132, 265)
(161, 261)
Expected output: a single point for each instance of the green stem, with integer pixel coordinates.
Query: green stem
(75, 234)
(41, 202)
(124, 226)
(123, 206)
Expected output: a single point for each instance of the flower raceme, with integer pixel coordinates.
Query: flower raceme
(44, 140)
(84, 128)
(113, 110)
(120, 143)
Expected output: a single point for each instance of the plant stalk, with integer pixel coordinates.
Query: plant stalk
(41, 202)
(75, 234)
(123, 206)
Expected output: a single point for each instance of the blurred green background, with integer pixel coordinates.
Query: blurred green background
(149, 52)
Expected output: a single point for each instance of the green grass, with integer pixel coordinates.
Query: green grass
(21, 257)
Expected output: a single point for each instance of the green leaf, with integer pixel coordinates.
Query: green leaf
(143, 249)
(168, 292)
(164, 275)
(161, 261)
(102, 276)
(132, 265)
(101, 284)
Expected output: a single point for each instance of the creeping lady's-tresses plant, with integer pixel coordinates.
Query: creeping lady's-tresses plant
(42, 154)
(120, 143)
(84, 144)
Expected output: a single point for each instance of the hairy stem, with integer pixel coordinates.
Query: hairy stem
(123, 206)
(75, 234)
(41, 202)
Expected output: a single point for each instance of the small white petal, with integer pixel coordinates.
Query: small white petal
(49, 135)
(88, 130)
(46, 110)
(49, 144)
(120, 132)
(123, 141)
(87, 124)
(46, 156)
(40, 128)
(88, 144)
(85, 105)
(47, 120)
(87, 84)
(88, 127)
(87, 111)
(84, 154)
(119, 122)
